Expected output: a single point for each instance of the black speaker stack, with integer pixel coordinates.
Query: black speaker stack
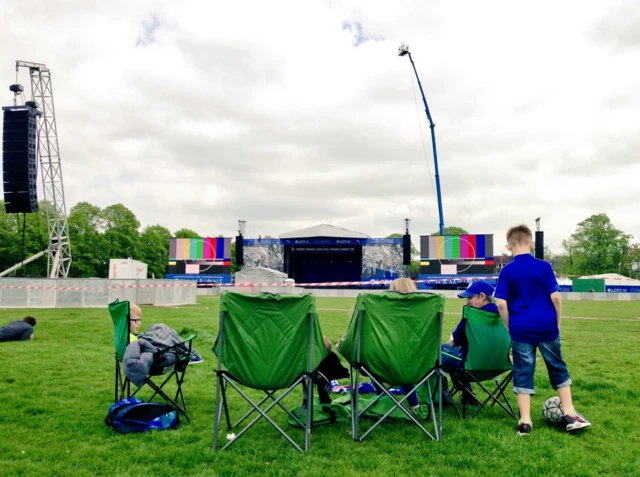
(239, 250)
(539, 245)
(19, 168)
(406, 249)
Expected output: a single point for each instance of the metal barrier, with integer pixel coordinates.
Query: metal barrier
(92, 293)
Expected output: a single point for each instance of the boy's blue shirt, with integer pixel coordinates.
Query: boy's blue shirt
(526, 284)
(460, 336)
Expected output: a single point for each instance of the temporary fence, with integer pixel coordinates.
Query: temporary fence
(443, 281)
(92, 293)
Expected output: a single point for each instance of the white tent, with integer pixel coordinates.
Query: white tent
(324, 230)
(260, 275)
(615, 279)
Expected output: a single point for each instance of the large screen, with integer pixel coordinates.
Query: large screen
(204, 259)
(456, 254)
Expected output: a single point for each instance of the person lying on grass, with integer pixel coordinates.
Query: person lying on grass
(19, 330)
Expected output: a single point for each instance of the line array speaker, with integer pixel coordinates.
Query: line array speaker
(406, 249)
(539, 247)
(239, 251)
(19, 168)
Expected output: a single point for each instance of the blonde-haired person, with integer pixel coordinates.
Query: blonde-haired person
(135, 319)
(403, 285)
(156, 334)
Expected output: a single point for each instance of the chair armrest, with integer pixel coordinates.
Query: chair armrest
(453, 356)
(169, 348)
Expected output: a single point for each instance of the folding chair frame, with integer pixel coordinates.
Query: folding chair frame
(223, 378)
(458, 380)
(123, 385)
(462, 376)
(397, 403)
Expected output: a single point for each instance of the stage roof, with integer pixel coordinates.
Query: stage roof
(323, 230)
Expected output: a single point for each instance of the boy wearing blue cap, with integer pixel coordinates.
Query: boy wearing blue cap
(479, 294)
(530, 305)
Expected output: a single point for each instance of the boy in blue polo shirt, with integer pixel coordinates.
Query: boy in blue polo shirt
(530, 305)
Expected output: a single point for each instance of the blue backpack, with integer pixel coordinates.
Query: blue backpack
(135, 415)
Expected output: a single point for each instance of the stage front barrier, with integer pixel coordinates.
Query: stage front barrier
(93, 293)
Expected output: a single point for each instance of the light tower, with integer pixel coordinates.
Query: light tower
(59, 252)
(403, 50)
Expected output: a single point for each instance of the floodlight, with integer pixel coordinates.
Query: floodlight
(403, 50)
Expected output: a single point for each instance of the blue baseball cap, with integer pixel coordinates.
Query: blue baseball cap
(475, 288)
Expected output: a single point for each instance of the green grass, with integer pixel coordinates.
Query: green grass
(55, 392)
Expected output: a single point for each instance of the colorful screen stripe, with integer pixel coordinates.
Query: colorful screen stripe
(202, 248)
(456, 246)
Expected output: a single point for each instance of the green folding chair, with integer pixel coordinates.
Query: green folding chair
(487, 360)
(271, 343)
(119, 311)
(394, 338)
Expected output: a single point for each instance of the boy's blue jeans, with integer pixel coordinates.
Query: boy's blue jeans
(524, 365)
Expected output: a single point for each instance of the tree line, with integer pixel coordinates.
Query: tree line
(96, 236)
(99, 234)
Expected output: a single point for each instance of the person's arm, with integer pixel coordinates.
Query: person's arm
(556, 298)
(458, 336)
(31, 337)
(501, 295)
(503, 309)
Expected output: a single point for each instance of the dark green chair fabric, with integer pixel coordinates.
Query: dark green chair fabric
(394, 339)
(271, 343)
(487, 359)
(119, 312)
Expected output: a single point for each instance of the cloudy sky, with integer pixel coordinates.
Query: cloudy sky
(292, 113)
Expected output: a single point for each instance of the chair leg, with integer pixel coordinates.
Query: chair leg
(355, 392)
(218, 408)
(307, 440)
(117, 383)
(225, 405)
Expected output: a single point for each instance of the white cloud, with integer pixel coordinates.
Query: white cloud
(195, 114)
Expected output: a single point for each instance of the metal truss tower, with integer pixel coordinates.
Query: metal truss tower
(59, 252)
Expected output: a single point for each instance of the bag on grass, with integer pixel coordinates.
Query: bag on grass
(135, 415)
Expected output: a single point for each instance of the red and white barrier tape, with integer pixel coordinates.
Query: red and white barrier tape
(114, 287)
(193, 284)
(344, 284)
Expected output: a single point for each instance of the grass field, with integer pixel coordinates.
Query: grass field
(56, 389)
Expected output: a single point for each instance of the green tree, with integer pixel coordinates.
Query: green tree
(186, 233)
(598, 247)
(121, 232)
(88, 246)
(154, 242)
(21, 236)
(453, 230)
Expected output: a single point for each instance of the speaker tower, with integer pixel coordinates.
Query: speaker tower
(539, 247)
(239, 251)
(406, 249)
(19, 168)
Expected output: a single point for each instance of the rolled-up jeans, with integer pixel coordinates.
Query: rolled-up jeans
(524, 365)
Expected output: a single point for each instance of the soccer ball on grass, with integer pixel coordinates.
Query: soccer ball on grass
(552, 410)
